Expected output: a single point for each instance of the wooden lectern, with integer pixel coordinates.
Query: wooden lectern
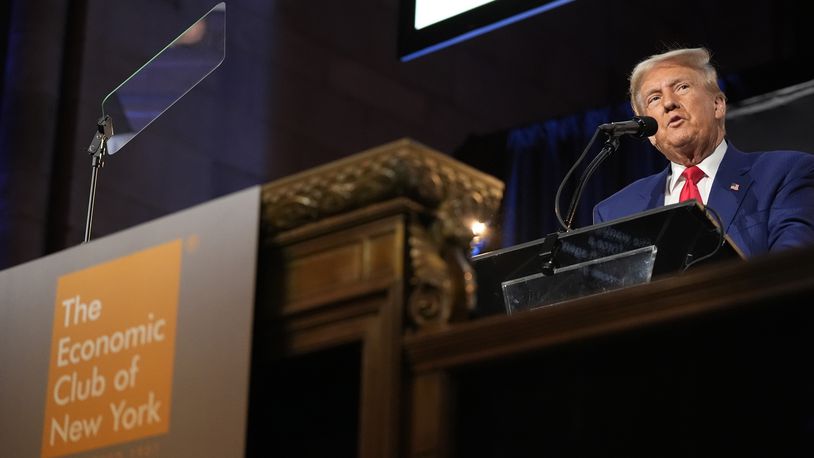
(355, 255)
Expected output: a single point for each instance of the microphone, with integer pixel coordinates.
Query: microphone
(639, 126)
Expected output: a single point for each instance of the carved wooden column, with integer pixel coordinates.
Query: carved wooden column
(367, 249)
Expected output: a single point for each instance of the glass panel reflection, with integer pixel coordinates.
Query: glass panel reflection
(167, 77)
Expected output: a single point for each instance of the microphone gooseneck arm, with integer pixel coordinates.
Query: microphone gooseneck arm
(567, 177)
(639, 126)
(610, 146)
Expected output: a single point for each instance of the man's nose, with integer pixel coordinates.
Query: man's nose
(669, 102)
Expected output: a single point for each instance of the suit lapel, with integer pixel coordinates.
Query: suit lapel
(653, 193)
(732, 181)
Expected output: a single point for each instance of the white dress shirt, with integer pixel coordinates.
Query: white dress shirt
(675, 182)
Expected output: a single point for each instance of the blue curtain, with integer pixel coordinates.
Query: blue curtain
(532, 160)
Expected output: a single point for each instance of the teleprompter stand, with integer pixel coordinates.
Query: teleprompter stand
(98, 154)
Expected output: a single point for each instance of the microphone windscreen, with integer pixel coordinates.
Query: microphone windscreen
(649, 126)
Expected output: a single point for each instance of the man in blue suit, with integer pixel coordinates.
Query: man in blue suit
(765, 200)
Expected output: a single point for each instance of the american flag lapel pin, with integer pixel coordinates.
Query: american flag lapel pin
(735, 187)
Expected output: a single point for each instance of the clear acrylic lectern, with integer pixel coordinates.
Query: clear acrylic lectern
(599, 258)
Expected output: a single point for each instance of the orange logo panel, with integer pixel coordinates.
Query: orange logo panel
(112, 351)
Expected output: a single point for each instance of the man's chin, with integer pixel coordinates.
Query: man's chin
(680, 144)
(676, 154)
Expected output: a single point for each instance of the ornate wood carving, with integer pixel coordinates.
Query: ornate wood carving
(442, 284)
(432, 289)
(451, 196)
(403, 168)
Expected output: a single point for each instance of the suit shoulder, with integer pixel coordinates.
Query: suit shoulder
(782, 161)
(787, 156)
(638, 187)
(633, 198)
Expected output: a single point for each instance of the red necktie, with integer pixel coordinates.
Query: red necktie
(690, 190)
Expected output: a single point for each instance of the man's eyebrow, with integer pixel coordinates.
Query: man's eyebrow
(652, 90)
(657, 88)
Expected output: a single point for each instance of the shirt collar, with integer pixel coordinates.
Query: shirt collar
(709, 165)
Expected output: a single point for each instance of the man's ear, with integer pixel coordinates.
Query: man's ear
(720, 106)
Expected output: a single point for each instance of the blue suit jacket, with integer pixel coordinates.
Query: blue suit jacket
(765, 200)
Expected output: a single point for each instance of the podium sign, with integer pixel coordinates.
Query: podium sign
(137, 344)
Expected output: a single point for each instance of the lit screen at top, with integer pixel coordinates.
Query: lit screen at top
(429, 12)
(425, 26)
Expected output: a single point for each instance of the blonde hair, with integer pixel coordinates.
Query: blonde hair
(695, 58)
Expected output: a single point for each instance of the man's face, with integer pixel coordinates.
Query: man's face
(689, 115)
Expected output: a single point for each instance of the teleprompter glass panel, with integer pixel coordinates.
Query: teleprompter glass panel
(591, 277)
(166, 78)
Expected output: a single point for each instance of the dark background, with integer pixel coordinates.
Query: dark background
(309, 81)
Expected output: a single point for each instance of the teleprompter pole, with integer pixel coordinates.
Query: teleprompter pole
(98, 153)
